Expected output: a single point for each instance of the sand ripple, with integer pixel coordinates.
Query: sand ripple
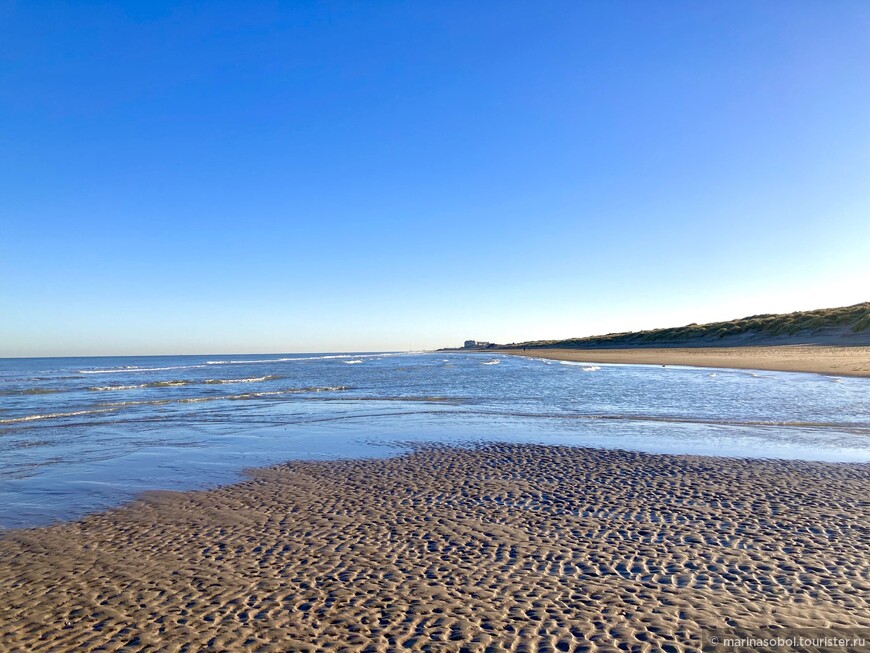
(503, 548)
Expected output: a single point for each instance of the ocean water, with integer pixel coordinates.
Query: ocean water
(83, 434)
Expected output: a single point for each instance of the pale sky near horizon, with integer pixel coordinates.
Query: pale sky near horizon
(233, 177)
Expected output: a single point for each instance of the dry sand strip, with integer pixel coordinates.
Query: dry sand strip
(504, 547)
(819, 359)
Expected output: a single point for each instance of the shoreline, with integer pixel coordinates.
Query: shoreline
(813, 359)
(464, 548)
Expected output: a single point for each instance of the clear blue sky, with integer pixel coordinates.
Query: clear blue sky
(217, 177)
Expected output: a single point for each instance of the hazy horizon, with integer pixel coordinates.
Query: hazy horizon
(185, 179)
(456, 344)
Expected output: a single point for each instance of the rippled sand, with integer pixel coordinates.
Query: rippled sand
(507, 547)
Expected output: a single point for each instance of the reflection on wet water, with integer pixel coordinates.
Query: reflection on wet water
(81, 434)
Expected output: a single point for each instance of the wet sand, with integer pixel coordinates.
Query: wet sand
(819, 359)
(504, 547)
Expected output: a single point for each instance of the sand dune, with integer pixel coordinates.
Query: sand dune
(503, 548)
(838, 361)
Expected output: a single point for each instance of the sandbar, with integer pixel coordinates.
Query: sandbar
(500, 547)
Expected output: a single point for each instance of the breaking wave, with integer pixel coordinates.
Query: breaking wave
(155, 384)
(254, 379)
(132, 369)
(117, 405)
(182, 382)
(112, 388)
(294, 358)
(75, 413)
(586, 367)
(244, 395)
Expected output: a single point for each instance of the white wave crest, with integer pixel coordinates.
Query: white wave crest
(245, 395)
(585, 366)
(291, 359)
(116, 405)
(112, 388)
(252, 362)
(181, 382)
(253, 379)
(492, 362)
(132, 369)
(33, 418)
(292, 391)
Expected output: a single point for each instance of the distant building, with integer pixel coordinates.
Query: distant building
(470, 344)
(476, 344)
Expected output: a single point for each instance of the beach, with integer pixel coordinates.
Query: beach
(293, 362)
(502, 547)
(818, 359)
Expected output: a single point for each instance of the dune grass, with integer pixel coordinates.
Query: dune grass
(853, 319)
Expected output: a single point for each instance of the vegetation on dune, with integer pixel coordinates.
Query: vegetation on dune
(848, 318)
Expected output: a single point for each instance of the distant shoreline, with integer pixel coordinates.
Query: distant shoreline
(816, 359)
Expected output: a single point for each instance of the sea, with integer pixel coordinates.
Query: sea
(79, 435)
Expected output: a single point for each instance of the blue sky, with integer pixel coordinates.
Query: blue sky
(273, 177)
